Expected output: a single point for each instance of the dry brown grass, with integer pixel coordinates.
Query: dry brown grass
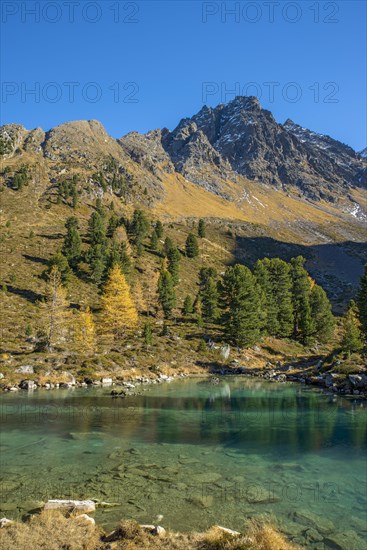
(51, 530)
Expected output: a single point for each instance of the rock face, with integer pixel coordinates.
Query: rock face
(242, 138)
(216, 148)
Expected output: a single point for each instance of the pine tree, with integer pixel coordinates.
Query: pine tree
(362, 302)
(84, 331)
(148, 335)
(201, 229)
(166, 293)
(188, 306)
(210, 300)
(117, 254)
(72, 242)
(96, 258)
(118, 312)
(139, 226)
(112, 224)
(323, 319)
(168, 245)
(100, 209)
(56, 316)
(274, 279)
(60, 261)
(192, 247)
(154, 240)
(241, 300)
(205, 273)
(159, 229)
(352, 334)
(96, 229)
(174, 258)
(303, 326)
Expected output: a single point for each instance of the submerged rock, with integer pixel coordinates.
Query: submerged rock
(305, 517)
(202, 501)
(344, 541)
(209, 477)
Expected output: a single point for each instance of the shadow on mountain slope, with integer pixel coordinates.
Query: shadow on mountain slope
(337, 267)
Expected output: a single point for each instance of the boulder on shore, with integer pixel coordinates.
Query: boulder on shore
(84, 506)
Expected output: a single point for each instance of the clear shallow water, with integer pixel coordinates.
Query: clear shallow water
(195, 452)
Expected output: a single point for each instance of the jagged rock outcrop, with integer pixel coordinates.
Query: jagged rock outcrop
(243, 138)
(217, 148)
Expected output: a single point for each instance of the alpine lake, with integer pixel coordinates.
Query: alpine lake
(196, 452)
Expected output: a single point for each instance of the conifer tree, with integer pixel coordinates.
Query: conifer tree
(117, 254)
(188, 306)
(174, 257)
(56, 310)
(362, 302)
(201, 229)
(72, 242)
(139, 226)
(274, 278)
(192, 247)
(84, 331)
(96, 229)
(112, 224)
(154, 240)
(322, 317)
(303, 326)
(100, 209)
(241, 301)
(96, 258)
(166, 293)
(210, 300)
(205, 273)
(198, 307)
(148, 334)
(60, 261)
(168, 245)
(118, 312)
(352, 334)
(159, 229)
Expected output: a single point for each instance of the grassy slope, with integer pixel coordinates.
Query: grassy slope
(238, 228)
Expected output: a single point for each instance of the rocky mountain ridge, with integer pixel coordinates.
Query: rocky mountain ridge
(217, 148)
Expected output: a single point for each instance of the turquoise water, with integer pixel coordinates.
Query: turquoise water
(195, 452)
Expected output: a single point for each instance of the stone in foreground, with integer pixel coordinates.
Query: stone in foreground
(85, 506)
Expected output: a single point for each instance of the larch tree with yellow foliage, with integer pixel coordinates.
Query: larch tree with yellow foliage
(119, 314)
(85, 332)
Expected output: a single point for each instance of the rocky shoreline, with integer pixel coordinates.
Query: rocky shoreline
(351, 385)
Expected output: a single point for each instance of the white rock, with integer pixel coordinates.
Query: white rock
(107, 381)
(5, 522)
(25, 369)
(80, 505)
(71, 380)
(229, 531)
(86, 519)
(160, 531)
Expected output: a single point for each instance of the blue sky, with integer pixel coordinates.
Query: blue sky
(143, 65)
